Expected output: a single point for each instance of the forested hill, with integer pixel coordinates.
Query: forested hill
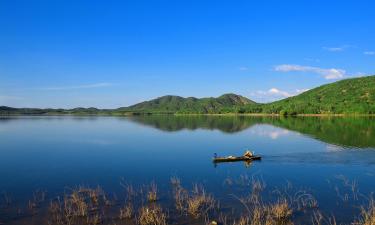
(349, 96)
(176, 104)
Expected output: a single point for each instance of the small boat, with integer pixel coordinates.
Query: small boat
(235, 159)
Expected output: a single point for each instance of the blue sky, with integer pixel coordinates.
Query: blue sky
(109, 54)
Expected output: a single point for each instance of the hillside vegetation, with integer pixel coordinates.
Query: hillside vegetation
(355, 95)
(175, 104)
(350, 96)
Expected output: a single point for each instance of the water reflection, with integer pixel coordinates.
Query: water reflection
(356, 132)
(227, 124)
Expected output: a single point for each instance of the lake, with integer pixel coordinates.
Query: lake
(320, 166)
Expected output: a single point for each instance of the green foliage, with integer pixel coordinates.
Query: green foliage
(227, 103)
(351, 96)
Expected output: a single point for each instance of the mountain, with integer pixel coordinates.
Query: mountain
(4, 110)
(356, 95)
(176, 104)
(350, 96)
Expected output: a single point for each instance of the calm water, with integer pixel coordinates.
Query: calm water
(317, 154)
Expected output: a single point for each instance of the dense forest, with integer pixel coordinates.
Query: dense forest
(350, 96)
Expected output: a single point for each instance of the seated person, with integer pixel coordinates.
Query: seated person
(248, 154)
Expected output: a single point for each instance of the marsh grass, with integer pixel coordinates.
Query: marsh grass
(151, 215)
(199, 203)
(152, 195)
(319, 219)
(367, 214)
(196, 203)
(259, 205)
(126, 212)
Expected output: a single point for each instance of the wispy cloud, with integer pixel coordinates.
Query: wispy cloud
(85, 86)
(277, 92)
(369, 53)
(274, 94)
(337, 49)
(328, 74)
(243, 68)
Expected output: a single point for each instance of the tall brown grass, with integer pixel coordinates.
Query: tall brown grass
(258, 206)
(152, 216)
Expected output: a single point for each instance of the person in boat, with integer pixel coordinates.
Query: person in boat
(248, 154)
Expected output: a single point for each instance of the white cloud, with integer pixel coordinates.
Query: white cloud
(326, 73)
(85, 86)
(243, 68)
(337, 49)
(369, 53)
(334, 49)
(275, 91)
(274, 94)
(299, 91)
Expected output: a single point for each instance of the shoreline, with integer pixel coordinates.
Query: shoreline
(191, 114)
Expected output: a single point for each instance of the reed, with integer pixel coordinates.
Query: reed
(85, 206)
(152, 216)
(152, 195)
(367, 214)
(199, 202)
(280, 210)
(180, 198)
(126, 212)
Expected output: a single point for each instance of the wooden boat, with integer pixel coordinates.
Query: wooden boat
(235, 159)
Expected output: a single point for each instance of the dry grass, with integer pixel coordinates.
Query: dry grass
(280, 210)
(319, 219)
(91, 206)
(180, 197)
(126, 212)
(81, 204)
(152, 195)
(152, 216)
(243, 221)
(94, 219)
(199, 202)
(368, 214)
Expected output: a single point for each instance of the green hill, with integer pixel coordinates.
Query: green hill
(175, 104)
(4, 110)
(349, 96)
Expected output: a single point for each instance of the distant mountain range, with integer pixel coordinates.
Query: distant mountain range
(350, 96)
